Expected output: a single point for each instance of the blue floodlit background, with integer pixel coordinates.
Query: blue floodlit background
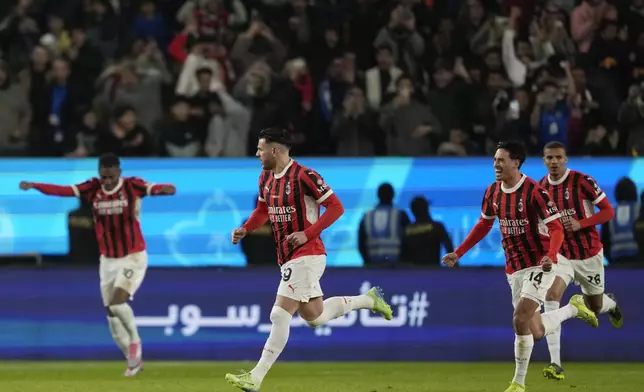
(214, 196)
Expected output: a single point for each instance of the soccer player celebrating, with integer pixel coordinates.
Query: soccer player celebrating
(582, 256)
(290, 196)
(531, 237)
(116, 203)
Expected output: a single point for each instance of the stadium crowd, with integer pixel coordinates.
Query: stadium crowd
(187, 78)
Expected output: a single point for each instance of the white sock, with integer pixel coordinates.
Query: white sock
(335, 307)
(119, 334)
(554, 337)
(553, 319)
(607, 304)
(523, 345)
(125, 313)
(276, 342)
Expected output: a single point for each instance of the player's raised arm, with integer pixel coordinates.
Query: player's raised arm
(478, 232)
(143, 188)
(315, 186)
(78, 190)
(592, 191)
(550, 215)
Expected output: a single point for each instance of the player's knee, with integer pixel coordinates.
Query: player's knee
(554, 295)
(280, 316)
(521, 321)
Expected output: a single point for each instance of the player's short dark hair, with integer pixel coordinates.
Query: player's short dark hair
(515, 149)
(555, 144)
(109, 160)
(386, 193)
(276, 135)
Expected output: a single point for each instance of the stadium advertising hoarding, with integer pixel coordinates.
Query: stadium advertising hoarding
(186, 314)
(215, 195)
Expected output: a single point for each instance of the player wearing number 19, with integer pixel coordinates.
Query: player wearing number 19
(531, 237)
(116, 203)
(576, 195)
(289, 196)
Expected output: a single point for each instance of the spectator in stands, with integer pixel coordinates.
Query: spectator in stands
(380, 81)
(86, 63)
(125, 137)
(57, 40)
(179, 136)
(586, 19)
(631, 120)
(381, 230)
(356, 128)
(201, 57)
(407, 44)
(103, 26)
(450, 99)
(257, 43)
(325, 52)
(55, 110)
(15, 113)
(86, 136)
(150, 24)
(407, 123)
(620, 246)
(422, 240)
(228, 128)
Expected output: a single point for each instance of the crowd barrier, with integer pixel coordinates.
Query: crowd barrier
(215, 195)
(205, 314)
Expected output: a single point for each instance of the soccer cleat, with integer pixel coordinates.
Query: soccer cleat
(243, 381)
(583, 312)
(379, 304)
(134, 360)
(615, 315)
(515, 387)
(554, 372)
(133, 371)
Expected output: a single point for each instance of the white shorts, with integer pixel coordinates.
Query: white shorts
(301, 278)
(587, 273)
(126, 273)
(532, 283)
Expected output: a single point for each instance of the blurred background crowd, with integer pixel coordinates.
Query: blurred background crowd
(186, 78)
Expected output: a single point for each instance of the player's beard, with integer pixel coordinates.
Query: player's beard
(269, 164)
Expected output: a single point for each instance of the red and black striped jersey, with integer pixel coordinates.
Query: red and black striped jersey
(576, 195)
(293, 198)
(523, 212)
(116, 214)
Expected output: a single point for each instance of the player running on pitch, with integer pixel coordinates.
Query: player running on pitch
(290, 196)
(531, 237)
(576, 195)
(116, 203)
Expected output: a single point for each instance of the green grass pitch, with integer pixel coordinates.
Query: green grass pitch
(313, 377)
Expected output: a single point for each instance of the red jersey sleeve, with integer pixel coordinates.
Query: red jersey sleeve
(85, 189)
(591, 190)
(487, 210)
(315, 186)
(544, 206)
(144, 188)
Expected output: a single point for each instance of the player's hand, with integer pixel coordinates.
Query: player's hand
(238, 234)
(572, 225)
(25, 186)
(546, 264)
(297, 239)
(450, 259)
(168, 189)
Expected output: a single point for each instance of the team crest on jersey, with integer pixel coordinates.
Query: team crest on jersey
(520, 205)
(288, 188)
(566, 195)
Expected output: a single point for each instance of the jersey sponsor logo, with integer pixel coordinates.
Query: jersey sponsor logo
(567, 213)
(513, 226)
(594, 185)
(110, 207)
(281, 214)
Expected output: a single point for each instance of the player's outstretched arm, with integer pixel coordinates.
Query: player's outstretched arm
(258, 218)
(162, 190)
(605, 214)
(50, 189)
